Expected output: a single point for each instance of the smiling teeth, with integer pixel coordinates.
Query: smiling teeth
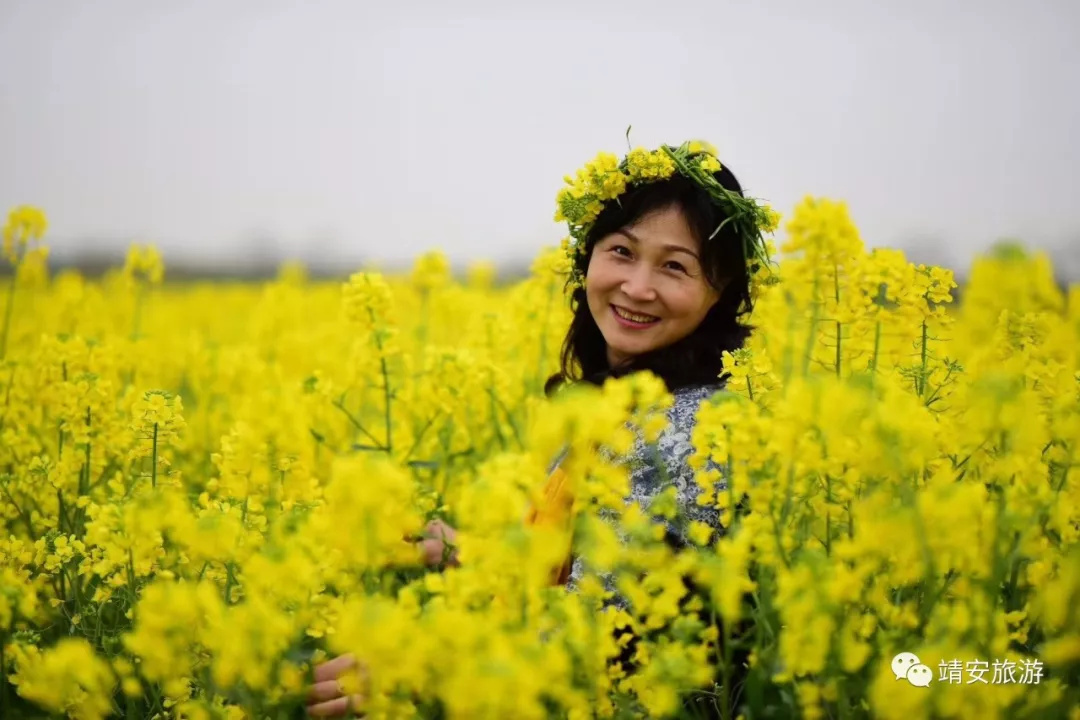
(631, 316)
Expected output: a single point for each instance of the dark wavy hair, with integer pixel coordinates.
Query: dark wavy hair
(696, 359)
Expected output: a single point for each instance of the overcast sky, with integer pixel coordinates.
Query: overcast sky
(322, 130)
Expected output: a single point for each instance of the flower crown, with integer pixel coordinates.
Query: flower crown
(606, 178)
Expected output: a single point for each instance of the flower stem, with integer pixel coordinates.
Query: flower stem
(839, 325)
(922, 370)
(877, 349)
(153, 468)
(725, 686)
(386, 400)
(828, 518)
(3, 682)
(8, 311)
(230, 579)
(815, 318)
(422, 326)
(386, 380)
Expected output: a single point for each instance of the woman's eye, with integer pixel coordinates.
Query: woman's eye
(621, 250)
(677, 266)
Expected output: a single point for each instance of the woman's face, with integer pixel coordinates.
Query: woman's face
(646, 287)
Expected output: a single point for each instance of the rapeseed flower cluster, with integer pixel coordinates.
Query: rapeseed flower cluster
(209, 489)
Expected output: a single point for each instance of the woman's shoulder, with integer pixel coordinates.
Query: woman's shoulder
(667, 458)
(687, 401)
(674, 442)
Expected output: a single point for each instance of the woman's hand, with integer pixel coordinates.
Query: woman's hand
(438, 536)
(328, 696)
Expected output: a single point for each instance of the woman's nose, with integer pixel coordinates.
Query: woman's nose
(638, 285)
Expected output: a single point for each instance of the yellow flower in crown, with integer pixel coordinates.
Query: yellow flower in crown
(643, 165)
(605, 178)
(600, 180)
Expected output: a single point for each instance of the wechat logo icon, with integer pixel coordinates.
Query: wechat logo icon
(907, 666)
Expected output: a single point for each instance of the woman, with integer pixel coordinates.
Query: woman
(668, 245)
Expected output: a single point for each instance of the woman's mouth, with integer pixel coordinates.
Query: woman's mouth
(632, 319)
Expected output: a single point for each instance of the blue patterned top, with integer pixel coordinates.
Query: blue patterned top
(656, 467)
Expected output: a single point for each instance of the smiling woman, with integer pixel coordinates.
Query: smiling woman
(664, 288)
(646, 288)
(664, 250)
(660, 282)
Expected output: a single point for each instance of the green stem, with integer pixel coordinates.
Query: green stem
(844, 701)
(76, 586)
(153, 468)
(386, 400)
(229, 580)
(84, 483)
(420, 436)
(495, 425)
(877, 350)
(131, 575)
(839, 345)
(10, 308)
(386, 380)
(3, 681)
(725, 672)
(922, 370)
(1064, 477)
(828, 508)
(839, 325)
(63, 587)
(61, 515)
(84, 480)
(7, 396)
(340, 405)
(812, 335)
(509, 417)
(729, 487)
(22, 513)
(98, 626)
(789, 360)
(422, 326)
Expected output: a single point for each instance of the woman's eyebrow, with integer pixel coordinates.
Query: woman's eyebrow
(668, 247)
